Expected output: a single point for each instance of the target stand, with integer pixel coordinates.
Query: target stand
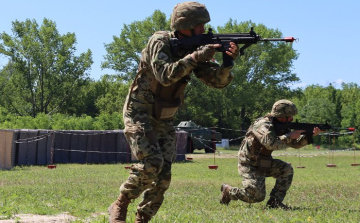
(51, 166)
(300, 166)
(213, 167)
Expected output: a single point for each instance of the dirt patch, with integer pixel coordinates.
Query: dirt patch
(31, 218)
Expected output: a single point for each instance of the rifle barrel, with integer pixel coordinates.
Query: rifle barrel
(349, 129)
(289, 39)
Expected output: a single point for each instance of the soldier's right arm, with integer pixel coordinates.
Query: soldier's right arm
(161, 62)
(264, 131)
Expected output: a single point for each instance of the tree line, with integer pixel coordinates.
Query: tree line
(45, 83)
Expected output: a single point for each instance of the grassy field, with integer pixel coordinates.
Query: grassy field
(318, 193)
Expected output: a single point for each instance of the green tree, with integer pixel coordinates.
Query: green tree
(85, 99)
(319, 110)
(112, 91)
(123, 54)
(320, 104)
(107, 121)
(43, 73)
(350, 101)
(350, 104)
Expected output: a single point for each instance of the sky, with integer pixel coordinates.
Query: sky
(328, 31)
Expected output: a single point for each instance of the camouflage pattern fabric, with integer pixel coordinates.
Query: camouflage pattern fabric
(151, 140)
(187, 15)
(283, 108)
(253, 180)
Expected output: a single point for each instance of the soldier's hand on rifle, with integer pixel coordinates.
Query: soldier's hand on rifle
(316, 131)
(204, 53)
(233, 51)
(295, 134)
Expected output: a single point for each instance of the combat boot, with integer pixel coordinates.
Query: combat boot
(225, 194)
(118, 209)
(275, 203)
(141, 218)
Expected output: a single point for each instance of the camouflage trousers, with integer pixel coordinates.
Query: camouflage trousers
(153, 143)
(253, 182)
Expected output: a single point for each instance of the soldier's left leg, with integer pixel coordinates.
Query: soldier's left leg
(253, 183)
(154, 196)
(283, 173)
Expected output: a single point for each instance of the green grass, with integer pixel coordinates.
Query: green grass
(318, 193)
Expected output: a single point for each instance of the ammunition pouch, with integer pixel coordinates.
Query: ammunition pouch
(168, 98)
(264, 162)
(264, 159)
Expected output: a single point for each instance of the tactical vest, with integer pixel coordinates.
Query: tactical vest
(168, 98)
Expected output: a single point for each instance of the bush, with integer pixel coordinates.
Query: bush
(107, 121)
(104, 121)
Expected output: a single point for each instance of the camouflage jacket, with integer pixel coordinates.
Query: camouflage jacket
(261, 137)
(159, 65)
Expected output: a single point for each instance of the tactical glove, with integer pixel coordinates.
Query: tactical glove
(204, 53)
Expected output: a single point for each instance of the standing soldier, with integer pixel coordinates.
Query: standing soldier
(152, 102)
(265, 135)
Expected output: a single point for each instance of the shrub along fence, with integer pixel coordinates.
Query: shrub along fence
(43, 147)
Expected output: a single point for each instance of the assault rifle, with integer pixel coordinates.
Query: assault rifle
(224, 39)
(309, 127)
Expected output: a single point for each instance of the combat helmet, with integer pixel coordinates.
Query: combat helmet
(283, 108)
(187, 15)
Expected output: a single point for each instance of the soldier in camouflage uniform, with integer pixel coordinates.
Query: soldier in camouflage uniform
(265, 135)
(152, 102)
